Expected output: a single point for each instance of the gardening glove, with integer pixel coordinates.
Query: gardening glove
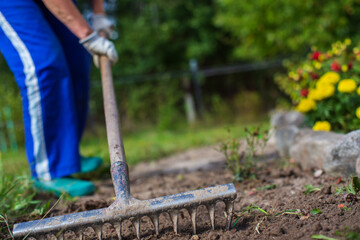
(98, 45)
(101, 23)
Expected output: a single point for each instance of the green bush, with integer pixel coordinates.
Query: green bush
(266, 28)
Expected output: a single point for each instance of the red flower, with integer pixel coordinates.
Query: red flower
(350, 65)
(314, 76)
(316, 55)
(304, 92)
(335, 66)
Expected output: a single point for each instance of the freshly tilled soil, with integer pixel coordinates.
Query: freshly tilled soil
(288, 195)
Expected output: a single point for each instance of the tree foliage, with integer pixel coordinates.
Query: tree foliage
(271, 28)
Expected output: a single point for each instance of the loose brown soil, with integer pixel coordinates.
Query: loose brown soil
(288, 195)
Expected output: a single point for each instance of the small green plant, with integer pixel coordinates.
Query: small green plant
(311, 189)
(243, 163)
(347, 234)
(252, 207)
(267, 187)
(320, 236)
(290, 212)
(315, 211)
(353, 187)
(17, 199)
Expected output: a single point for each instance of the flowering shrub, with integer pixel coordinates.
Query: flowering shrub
(325, 87)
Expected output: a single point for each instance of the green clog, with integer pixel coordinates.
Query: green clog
(70, 186)
(89, 164)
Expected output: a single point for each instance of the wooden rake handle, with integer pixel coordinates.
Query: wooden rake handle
(112, 120)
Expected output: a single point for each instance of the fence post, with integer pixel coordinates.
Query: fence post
(197, 88)
(189, 101)
(10, 128)
(3, 144)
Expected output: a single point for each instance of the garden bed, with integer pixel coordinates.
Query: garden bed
(279, 191)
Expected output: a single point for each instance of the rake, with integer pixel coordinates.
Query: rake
(125, 206)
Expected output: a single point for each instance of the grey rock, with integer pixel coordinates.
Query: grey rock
(358, 167)
(284, 138)
(344, 157)
(284, 119)
(283, 127)
(309, 148)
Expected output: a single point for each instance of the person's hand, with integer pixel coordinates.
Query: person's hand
(101, 23)
(98, 45)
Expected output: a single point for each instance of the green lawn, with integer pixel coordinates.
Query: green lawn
(140, 146)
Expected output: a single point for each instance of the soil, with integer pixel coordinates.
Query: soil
(287, 195)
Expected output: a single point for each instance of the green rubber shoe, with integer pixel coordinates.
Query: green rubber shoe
(70, 186)
(89, 164)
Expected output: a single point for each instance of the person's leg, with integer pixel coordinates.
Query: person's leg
(35, 56)
(79, 63)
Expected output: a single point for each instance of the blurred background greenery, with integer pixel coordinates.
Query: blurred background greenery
(157, 39)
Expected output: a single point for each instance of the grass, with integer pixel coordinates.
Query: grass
(147, 145)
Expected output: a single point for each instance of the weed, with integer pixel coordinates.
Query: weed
(320, 236)
(243, 163)
(339, 190)
(315, 211)
(252, 207)
(17, 199)
(347, 234)
(267, 187)
(353, 185)
(311, 189)
(290, 212)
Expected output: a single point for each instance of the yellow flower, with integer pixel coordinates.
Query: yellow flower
(329, 78)
(344, 68)
(326, 91)
(347, 86)
(322, 126)
(313, 95)
(356, 50)
(322, 91)
(358, 112)
(306, 105)
(347, 41)
(317, 65)
(358, 90)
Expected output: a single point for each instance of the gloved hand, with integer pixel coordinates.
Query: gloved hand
(98, 45)
(101, 23)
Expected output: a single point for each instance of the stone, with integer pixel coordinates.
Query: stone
(358, 167)
(284, 119)
(343, 158)
(309, 148)
(283, 127)
(284, 138)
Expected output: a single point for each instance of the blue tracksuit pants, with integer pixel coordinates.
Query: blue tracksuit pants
(52, 70)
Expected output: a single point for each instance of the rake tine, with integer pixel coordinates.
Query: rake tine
(80, 233)
(60, 237)
(155, 221)
(193, 219)
(98, 231)
(229, 212)
(211, 209)
(174, 217)
(136, 224)
(117, 227)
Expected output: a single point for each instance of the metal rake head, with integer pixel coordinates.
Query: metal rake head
(127, 207)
